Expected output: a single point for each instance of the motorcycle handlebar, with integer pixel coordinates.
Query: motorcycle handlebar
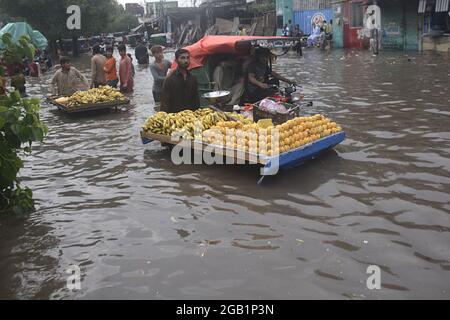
(274, 86)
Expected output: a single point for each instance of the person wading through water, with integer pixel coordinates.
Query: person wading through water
(159, 70)
(180, 90)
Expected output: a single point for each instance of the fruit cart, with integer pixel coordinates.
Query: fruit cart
(290, 143)
(88, 106)
(285, 160)
(103, 97)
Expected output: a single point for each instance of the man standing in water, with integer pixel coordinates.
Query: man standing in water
(159, 70)
(97, 63)
(180, 91)
(125, 70)
(68, 79)
(110, 68)
(141, 53)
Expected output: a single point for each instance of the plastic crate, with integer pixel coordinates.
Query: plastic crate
(277, 118)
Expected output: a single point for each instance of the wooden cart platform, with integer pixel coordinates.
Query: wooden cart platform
(89, 107)
(271, 164)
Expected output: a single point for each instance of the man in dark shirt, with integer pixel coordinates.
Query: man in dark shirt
(258, 73)
(141, 53)
(179, 90)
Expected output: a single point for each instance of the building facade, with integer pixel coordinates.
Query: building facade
(434, 25)
(402, 24)
(284, 13)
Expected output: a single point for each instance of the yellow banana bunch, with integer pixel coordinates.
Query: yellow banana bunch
(183, 122)
(155, 123)
(240, 118)
(95, 95)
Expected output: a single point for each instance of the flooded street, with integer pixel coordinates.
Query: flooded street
(142, 228)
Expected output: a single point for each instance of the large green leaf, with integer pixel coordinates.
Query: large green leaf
(38, 134)
(19, 124)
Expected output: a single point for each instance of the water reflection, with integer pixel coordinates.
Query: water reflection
(141, 227)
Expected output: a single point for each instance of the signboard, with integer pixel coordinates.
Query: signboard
(318, 18)
(392, 29)
(305, 18)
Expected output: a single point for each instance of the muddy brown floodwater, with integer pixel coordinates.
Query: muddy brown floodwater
(142, 228)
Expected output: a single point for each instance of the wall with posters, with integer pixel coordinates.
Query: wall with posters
(305, 18)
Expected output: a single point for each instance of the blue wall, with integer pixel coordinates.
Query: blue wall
(303, 18)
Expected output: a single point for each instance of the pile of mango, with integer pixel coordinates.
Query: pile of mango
(271, 140)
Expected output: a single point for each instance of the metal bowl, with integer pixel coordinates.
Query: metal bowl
(217, 97)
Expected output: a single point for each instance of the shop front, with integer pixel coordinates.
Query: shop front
(434, 25)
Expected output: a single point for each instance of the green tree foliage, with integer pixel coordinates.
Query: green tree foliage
(19, 127)
(5, 18)
(121, 20)
(47, 16)
(50, 16)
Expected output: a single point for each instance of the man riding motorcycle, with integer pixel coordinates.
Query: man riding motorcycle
(258, 76)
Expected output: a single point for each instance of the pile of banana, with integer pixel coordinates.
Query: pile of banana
(95, 95)
(240, 117)
(214, 128)
(183, 123)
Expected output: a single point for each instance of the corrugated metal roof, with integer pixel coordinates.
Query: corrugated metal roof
(422, 6)
(442, 5)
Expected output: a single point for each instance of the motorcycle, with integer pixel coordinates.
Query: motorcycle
(285, 94)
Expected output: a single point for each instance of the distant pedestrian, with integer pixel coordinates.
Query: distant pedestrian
(329, 32)
(97, 63)
(169, 39)
(125, 70)
(242, 31)
(291, 28)
(285, 31)
(132, 65)
(297, 33)
(33, 68)
(141, 53)
(110, 68)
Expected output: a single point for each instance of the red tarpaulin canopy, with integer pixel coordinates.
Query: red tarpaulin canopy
(210, 45)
